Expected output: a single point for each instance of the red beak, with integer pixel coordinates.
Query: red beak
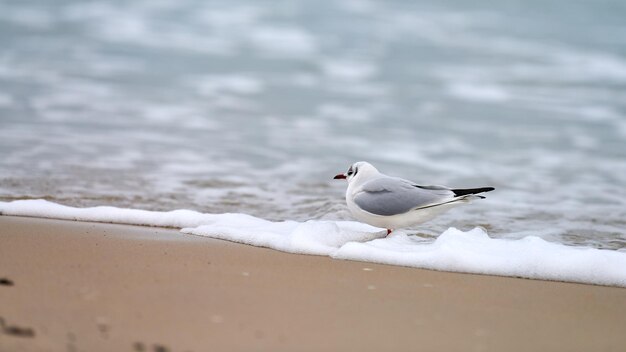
(339, 177)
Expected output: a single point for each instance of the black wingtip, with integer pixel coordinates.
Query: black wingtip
(464, 192)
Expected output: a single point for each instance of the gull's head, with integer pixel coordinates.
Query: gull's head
(358, 170)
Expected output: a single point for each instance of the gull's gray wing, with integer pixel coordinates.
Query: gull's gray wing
(391, 196)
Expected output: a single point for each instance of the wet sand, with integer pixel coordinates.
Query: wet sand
(78, 286)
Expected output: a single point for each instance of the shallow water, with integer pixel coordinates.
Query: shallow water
(252, 107)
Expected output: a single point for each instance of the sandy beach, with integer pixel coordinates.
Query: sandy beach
(78, 286)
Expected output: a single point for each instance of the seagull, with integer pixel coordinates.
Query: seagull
(391, 202)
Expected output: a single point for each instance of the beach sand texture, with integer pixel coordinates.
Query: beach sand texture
(79, 286)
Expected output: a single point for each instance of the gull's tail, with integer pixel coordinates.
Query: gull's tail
(469, 191)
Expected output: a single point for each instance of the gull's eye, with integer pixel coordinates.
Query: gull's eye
(350, 172)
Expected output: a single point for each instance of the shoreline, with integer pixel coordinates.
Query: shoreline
(101, 287)
(473, 251)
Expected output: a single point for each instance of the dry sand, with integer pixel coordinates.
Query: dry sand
(72, 286)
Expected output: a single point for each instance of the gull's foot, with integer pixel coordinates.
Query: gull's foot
(389, 231)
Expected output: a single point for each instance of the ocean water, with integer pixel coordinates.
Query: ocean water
(252, 106)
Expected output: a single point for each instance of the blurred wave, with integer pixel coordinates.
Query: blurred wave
(252, 106)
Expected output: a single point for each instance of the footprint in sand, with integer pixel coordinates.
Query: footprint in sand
(15, 330)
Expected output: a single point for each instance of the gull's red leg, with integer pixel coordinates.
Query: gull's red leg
(389, 231)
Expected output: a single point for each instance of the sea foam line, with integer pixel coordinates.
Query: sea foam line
(454, 250)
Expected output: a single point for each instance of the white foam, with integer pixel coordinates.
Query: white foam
(229, 83)
(348, 70)
(454, 250)
(283, 41)
(478, 92)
